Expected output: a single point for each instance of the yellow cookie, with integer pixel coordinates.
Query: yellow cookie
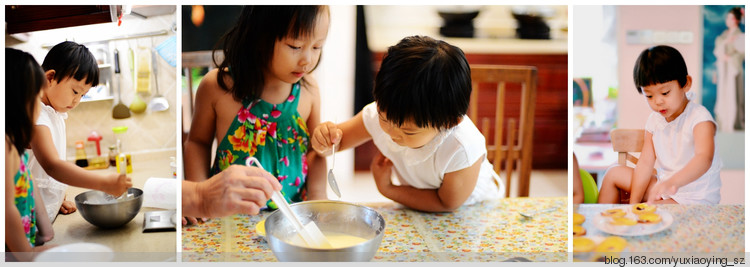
(612, 244)
(260, 228)
(643, 208)
(578, 219)
(623, 221)
(582, 244)
(578, 230)
(614, 213)
(649, 218)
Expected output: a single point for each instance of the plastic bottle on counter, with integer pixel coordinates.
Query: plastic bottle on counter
(113, 155)
(119, 132)
(123, 160)
(81, 159)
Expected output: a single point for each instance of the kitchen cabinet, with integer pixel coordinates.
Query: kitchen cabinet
(28, 18)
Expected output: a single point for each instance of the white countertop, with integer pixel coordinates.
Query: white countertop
(128, 242)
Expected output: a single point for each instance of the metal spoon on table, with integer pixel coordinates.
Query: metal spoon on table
(331, 178)
(529, 215)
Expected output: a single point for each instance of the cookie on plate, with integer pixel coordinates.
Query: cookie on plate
(583, 244)
(579, 230)
(623, 221)
(612, 244)
(649, 218)
(614, 213)
(578, 218)
(643, 208)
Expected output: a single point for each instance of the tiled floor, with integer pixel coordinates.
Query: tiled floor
(361, 188)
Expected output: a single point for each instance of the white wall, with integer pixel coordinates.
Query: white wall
(632, 108)
(335, 76)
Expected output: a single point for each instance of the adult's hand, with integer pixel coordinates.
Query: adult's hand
(237, 189)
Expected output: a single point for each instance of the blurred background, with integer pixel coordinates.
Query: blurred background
(607, 41)
(360, 35)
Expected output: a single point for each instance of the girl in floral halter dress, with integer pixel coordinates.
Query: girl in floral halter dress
(260, 102)
(26, 225)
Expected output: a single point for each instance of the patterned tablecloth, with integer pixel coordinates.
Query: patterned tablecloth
(697, 230)
(485, 232)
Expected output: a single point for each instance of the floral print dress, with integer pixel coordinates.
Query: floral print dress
(276, 135)
(24, 199)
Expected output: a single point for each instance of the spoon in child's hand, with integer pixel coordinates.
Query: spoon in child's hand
(331, 178)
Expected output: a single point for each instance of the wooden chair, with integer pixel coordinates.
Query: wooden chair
(515, 153)
(625, 142)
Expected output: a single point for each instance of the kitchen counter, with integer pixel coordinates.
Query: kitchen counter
(697, 230)
(380, 38)
(128, 242)
(486, 232)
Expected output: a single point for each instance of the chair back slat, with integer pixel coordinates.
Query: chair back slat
(515, 152)
(625, 142)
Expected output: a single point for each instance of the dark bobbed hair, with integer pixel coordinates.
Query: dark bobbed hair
(249, 46)
(659, 64)
(24, 79)
(737, 13)
(425, 81)
(70, 59)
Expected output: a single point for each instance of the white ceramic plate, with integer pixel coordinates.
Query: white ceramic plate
(602, 223)
(77, 252)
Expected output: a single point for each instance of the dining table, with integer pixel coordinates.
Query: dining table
(689, 232)
(489, 231)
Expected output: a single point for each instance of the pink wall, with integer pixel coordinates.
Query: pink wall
(632, 108)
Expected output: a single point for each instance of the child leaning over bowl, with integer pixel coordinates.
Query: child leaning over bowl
(418, 123)
(70, 70)
(679, 139)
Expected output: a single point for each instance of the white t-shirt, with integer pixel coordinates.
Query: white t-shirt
(451, 150)
(52, 191)
(674, 146)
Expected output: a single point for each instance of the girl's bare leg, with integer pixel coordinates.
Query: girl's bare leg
(619, 178)
(616, 178)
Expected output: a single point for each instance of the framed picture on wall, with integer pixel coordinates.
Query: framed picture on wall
(724, 65)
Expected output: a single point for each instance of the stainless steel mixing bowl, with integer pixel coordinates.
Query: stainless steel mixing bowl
(101, 210)
(330, 216)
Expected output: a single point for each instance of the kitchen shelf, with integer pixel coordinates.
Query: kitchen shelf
(98, 99)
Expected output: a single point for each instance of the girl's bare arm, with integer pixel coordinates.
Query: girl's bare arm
(351, 133)
(456, 188)
(67, 172)
(643, 170)
(15, 238)
(197, 154)
(42, 219)
(317, 169)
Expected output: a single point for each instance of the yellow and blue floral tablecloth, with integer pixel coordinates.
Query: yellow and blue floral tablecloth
(486, 232)
(697, 232)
